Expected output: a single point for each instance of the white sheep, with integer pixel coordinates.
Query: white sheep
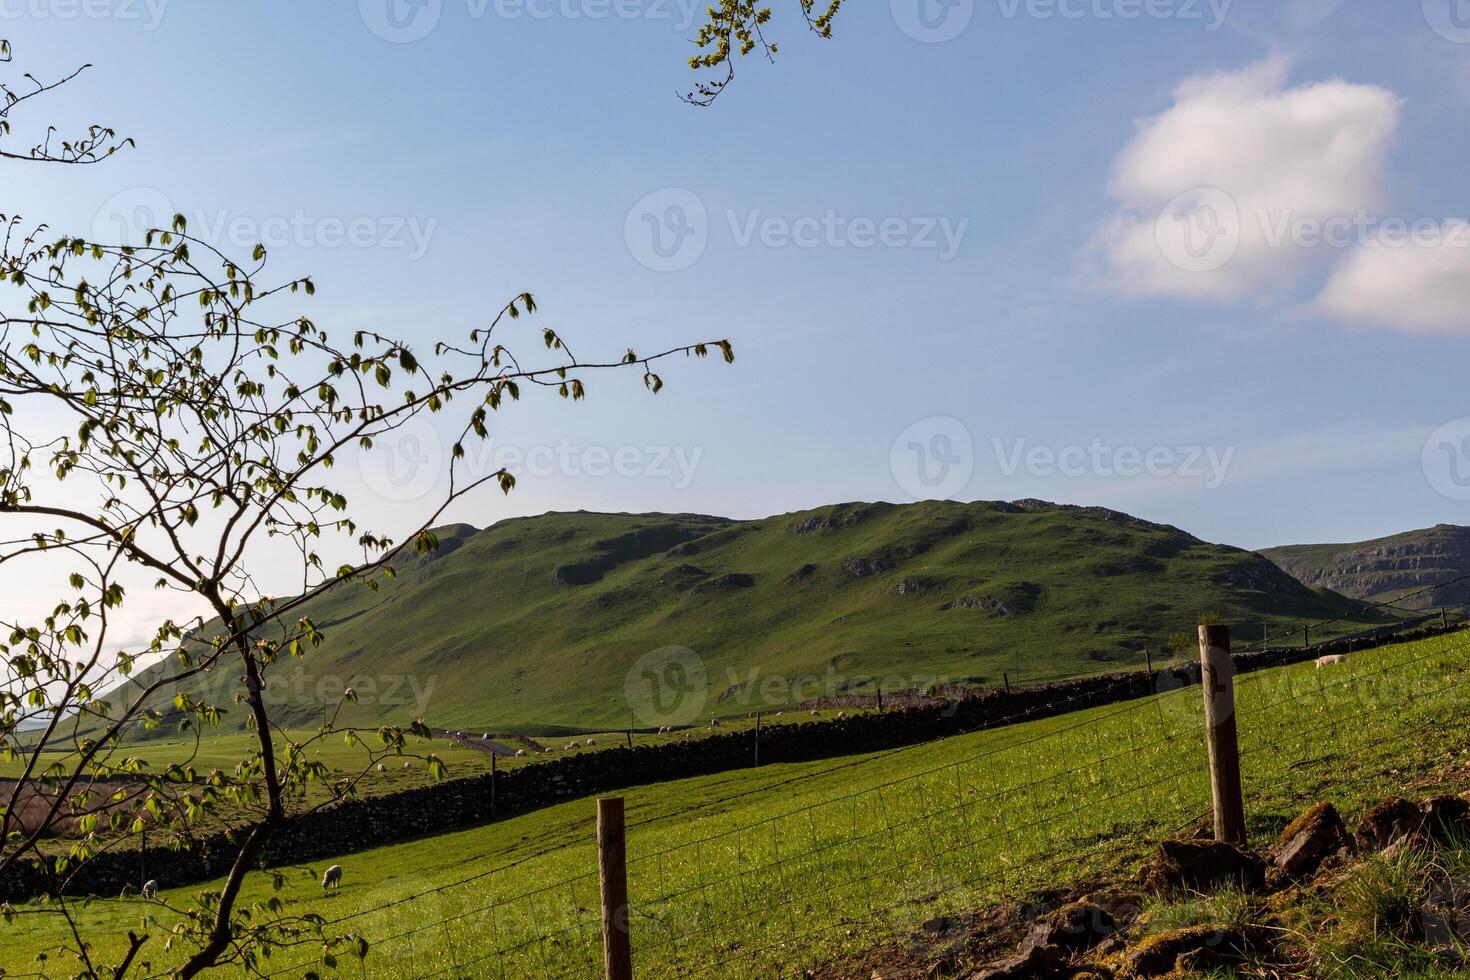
(520, 753)
(714, 723)
(592, 741)
(382, 768)
(150, 890)
(405, 765)
(814, 712)
(1333, 658)
(548, 750)
(778, 714)
(486, 737)
(332, 877)
(573, 745)
(841, 715)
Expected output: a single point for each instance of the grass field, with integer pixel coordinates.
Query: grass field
(540, 624)
(765, 872)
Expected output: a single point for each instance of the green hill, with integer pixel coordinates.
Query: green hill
(535, 624)
(1384, 569)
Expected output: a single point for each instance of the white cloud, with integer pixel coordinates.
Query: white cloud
(1206, 187)
(1418, 281)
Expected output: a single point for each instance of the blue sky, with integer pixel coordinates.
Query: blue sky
(914, 245)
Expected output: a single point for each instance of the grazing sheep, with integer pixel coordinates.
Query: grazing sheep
(841, 715)
(150, 890)
(592, 741)
(382, 768)
(814, 712)
(714, 723)
(486, 737)
(778, 714)
(405, 765)
(520, 753)
(1335, 658)
(573, 745)
(332, 877)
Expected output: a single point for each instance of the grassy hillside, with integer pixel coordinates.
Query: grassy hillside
(1384, 569)
(765, 872)
(535, 624)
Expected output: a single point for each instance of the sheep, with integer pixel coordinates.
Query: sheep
(573, 745)
(548, 750)
(520, 753)
(405, 765)
(486, 737)
(150, 890)
(332, 877)
(778, 714)
(841, 715)
(714, 723)
(814, 712)
(592, 741)
(1334, 658)
(382, 768)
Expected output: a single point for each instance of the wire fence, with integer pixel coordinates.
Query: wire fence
(815, 862)
(863, 850)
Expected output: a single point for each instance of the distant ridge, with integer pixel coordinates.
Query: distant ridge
(1384, 569)
(537, 623)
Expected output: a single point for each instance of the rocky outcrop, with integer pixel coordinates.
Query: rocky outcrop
(1309, 839)
(1386, 568)
(1201, 866)
(1386, 821)
(863, 567)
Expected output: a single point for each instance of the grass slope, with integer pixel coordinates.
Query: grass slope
(766, 872)
(1383, 569)
(534, 624)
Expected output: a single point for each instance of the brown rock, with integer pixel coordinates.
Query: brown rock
(1191, 947)
(1310, 838)
(1446, 817)
(1201, 865)
(1037, 963)
(1386, 821)
(1075, 927)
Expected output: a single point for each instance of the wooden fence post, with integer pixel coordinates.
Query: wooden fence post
(1217, 676)
(1444, 622)
(494, 774)
(1008, 682)
(757, 739)
(612, 859)
(1306, 637)
(1150, 662)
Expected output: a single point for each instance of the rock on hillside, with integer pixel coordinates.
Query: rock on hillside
(1386, 568)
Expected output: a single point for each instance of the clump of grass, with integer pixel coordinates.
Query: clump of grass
(1228, 908)
(1387, 897)
(1383, 918)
